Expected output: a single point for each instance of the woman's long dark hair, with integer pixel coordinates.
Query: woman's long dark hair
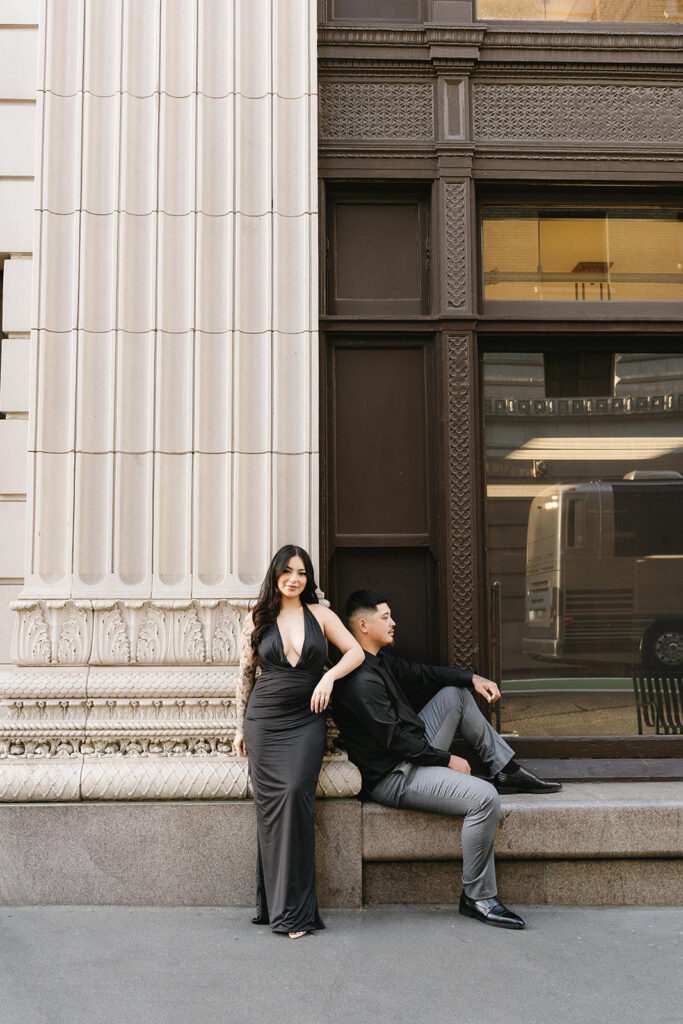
(267, 607)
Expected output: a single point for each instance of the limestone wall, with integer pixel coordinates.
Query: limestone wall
(18, 71)
(172, 431)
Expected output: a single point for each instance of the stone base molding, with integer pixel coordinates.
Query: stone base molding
(130, 733)
(127, 632)
(141, 775)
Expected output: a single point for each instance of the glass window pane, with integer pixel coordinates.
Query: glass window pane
(585, 537)
(588, 255)
(653, 11)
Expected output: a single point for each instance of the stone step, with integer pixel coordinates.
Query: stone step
(593, 843)
(592, 819)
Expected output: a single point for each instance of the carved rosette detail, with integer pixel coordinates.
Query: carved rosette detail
(577, 113)
(376, 110)
(456, 244)
(461, 498)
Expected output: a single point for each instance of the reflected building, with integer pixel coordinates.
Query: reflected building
(556, 445)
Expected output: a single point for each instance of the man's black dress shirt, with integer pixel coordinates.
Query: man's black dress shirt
(375, 708)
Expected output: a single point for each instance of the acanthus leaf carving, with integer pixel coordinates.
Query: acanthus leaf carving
(111, 645)
(33, 645)
(188, 637)
(73, 646)
(226, 636)
(152, 636)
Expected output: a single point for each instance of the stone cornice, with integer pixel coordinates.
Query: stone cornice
(514, 37)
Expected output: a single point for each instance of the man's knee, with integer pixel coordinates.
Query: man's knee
(489, 802)
(454, 696)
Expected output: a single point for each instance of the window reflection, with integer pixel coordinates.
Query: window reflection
(653, 11)
(582, 255)
(585, 535)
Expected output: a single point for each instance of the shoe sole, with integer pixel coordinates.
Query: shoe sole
(494, 924)
(519, 789)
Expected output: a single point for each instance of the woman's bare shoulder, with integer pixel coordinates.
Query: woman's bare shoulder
(322, 612)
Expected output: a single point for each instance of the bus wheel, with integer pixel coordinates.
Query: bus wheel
(663, 647)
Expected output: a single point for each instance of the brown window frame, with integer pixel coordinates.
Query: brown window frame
(571, 196)
(532, 336)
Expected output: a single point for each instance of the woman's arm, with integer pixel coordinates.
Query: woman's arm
(352, 655)
(245, 682)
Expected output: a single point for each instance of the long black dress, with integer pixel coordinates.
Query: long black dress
(285, 744)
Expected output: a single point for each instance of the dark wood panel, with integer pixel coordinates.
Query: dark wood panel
(407, 578)
(377, 252)
(376, 10)
(380, 441)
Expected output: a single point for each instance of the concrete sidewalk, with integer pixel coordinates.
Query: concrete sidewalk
(388, 965)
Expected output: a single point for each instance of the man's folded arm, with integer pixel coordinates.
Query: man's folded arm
(372, 708)
(435, 677)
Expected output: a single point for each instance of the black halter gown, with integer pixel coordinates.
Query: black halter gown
(285, 744)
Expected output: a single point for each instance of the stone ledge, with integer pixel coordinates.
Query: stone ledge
(584, 820)
(160, 854)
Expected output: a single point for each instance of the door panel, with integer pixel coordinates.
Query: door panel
(383, 527)
(382, 454)
(377, 256)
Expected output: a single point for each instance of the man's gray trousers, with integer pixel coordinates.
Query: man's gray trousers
(445, 791)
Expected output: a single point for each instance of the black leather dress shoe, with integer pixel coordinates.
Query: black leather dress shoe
(490, 911)
(523, 781)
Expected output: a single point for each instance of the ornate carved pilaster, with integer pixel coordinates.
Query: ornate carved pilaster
(456, 240)
(462, 497)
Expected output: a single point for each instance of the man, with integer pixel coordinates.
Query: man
(404, 756)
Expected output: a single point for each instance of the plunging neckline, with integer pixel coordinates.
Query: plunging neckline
(282, 642)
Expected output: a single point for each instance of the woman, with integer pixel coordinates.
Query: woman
(281, 728)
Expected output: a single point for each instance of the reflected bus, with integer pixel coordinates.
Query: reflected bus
(604, 573)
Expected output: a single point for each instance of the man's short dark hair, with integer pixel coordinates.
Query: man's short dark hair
(363, 600)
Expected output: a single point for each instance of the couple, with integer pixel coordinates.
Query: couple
(403, 756)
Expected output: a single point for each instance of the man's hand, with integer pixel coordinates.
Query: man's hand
(487, 688)
(459, 764)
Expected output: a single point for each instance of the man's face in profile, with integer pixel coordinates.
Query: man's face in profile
(379, 625)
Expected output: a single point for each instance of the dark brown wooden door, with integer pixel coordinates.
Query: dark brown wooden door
(382, 509)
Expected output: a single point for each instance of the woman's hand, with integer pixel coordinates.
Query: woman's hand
(320, 697)
(240, 745)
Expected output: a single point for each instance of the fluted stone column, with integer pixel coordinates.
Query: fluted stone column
(173, 424)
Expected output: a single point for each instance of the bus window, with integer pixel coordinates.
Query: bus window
(648, 519)
(576, 523)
